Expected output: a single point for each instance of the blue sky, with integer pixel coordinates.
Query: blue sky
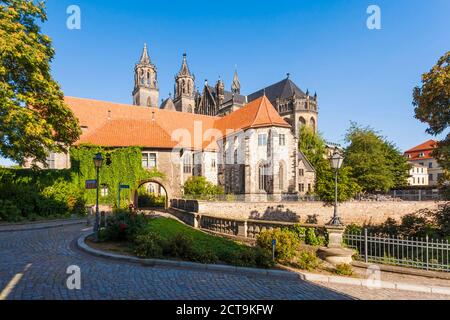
(359, 74)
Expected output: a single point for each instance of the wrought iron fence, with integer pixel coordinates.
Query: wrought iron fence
(420, 253)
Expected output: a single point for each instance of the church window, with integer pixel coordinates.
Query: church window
(312, 124)
(187, 163)
(301, 172)
(282, 139)
(302, 121)
(235, 156)
(262, 140)
(263, 177)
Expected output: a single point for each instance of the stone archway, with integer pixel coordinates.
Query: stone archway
(158, 182)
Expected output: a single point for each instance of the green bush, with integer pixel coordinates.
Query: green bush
(148, 245)
(9, 212)
(199, 187)
(308, 260)
(180, 246)
(287, 243)
(312, 239)
(123, 225)
(344, 269)
(299, 231)
(263, 258)
(203, 256)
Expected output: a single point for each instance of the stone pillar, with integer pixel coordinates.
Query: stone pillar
(242, 229)
(335, 253)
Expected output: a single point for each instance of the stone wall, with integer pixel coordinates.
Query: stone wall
(375, 212)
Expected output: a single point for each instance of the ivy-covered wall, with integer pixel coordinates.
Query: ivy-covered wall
(120, 165)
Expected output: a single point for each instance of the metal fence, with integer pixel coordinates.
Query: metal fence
(420, 253)
(417, 195)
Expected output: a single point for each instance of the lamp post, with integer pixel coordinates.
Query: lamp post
(336, 162)
(98, 161)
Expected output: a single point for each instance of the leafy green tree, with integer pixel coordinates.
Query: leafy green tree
(313, 147)
(33, 117)
(377, 165)
(198, 186)
(432, 106)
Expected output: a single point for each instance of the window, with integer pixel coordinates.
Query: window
(309, 187)
(213, 163)
(430, 177)
(149, 160)
(104, 190)
(263, 171)
(301, 187)
(187, 164)
(440, 176)
(235, 156)
(421, 154)
(430, 165)
(282, 138)
(421, 164)
(301, 172)
(281, 177)
(262, 140)
(51, 161)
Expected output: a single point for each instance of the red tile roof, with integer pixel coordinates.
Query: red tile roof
(117, 125)
(422, 151)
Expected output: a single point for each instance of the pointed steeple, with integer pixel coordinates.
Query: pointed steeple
(145, 58)
(184, 71)
(236, 85)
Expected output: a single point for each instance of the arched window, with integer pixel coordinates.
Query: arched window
(104, 190)
(149, 102)
(281, 176)
(235, 156)
(302, 122)
(263, 176)
(312, 124)
(183, 86)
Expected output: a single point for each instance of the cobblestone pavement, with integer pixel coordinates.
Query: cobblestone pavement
(43, 256)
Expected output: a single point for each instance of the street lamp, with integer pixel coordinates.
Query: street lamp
(336, 163)
(98, 161)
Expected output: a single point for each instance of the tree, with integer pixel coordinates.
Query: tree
(33, 117)
(377, 165)
(199, 187)
(313, 147)
(432, 106)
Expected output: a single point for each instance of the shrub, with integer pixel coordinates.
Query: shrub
(200, 187)
(313, 239)
(263, 258)
(180, 246)
(124, 226)
(148, 245)
(203, 256)
(286, 246)
(9, 212)
(299, 231)
(344, 269)
(353, 228)
(308, 260)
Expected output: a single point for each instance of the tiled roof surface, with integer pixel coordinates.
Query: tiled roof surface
(283, 89)
(117, 125)
(422, 151)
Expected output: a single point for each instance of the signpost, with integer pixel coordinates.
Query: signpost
(91, 184)
(274, 244)
(121, 186)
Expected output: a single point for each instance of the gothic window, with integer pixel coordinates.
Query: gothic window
(148, 78)
(281, 176)
(189, 108)
(183, 85)
(312, 124)
(149, 102)
(263, 176)
(235, 156)
(302, 122)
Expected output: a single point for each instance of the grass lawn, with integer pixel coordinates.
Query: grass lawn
(167, 228)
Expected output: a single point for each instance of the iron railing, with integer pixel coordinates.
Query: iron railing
(420, 253)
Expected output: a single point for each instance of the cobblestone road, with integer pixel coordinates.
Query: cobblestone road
(33, 265)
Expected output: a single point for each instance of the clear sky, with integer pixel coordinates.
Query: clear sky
(359, 74)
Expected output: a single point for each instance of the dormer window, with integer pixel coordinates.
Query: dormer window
(421, 154)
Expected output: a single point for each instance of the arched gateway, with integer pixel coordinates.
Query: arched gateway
(156, 181)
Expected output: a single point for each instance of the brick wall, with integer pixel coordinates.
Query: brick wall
(315, 212)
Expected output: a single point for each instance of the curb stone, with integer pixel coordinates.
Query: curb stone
(184, 264)
(40, 225)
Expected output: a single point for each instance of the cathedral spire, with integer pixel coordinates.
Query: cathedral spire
(184, 71)
(145, 58)
(236, 85)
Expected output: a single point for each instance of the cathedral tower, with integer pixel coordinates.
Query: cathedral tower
(146, 91)
(184, 89)
(236, 85)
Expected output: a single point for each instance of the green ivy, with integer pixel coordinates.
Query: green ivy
(120, 165)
